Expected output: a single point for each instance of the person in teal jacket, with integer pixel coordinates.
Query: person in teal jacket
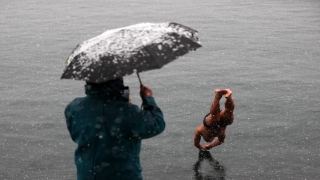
(108, 130)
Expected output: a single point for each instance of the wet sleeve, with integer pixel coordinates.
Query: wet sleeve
(148, 122)
(68, 113)
(70, 119)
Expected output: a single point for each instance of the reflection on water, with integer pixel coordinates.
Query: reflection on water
(208, 168)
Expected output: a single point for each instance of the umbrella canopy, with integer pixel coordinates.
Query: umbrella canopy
(136, 48)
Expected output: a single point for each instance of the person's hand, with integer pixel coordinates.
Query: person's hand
(207, 147)
(145, 91)
(200, 147)
(203, 148)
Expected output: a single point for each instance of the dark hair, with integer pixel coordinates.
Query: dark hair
(114, 84)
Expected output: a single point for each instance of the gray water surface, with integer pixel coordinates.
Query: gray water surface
(266, 52)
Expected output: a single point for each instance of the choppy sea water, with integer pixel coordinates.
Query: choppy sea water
(266, 52)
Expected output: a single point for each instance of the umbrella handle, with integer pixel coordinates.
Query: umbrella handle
(140, 83)
(139, 78)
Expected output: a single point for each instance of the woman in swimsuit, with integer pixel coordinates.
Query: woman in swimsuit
(215, 123)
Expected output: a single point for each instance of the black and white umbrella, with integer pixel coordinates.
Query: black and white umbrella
(120, 52)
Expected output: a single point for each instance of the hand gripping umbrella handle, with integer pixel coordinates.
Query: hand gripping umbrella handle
(139, 78)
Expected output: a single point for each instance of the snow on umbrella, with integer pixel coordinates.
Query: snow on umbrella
(120, 52)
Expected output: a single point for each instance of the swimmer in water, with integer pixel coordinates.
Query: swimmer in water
(215, 123)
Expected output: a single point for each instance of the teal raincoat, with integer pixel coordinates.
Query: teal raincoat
(108, 131)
